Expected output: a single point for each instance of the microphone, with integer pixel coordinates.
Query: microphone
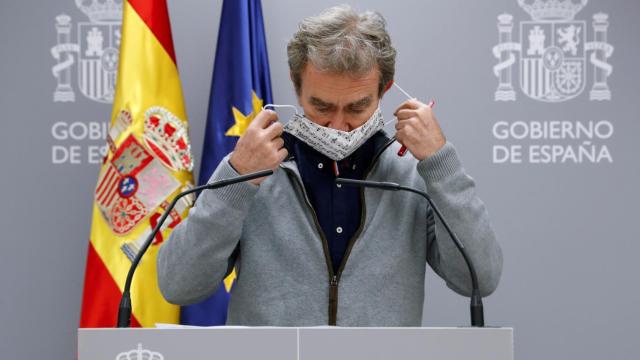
(477, 311)
(124, 309)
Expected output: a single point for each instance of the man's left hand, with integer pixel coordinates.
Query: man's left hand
(418, 129)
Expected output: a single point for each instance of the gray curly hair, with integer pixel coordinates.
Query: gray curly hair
(340, 40)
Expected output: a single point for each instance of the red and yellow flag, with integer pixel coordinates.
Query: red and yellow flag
(148, 163)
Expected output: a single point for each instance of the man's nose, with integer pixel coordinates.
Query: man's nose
(339, 122)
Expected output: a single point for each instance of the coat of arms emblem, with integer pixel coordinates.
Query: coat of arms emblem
(139, 353)
(553, 51)
(95, 51)
(136, 182)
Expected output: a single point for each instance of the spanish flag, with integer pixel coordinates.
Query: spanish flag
(148, 163)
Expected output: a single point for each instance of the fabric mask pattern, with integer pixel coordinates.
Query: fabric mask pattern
(334, 144)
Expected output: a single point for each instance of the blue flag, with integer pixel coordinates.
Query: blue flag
(241, 85)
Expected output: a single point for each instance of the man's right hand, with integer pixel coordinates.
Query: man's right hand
(260, 147)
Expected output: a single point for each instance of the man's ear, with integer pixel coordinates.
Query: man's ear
(387, 87)
(297, 91)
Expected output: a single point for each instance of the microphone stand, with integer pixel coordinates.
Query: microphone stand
(124, 310)
(477, 311)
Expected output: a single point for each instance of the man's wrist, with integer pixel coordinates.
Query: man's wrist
(430, 151)
(233, 167)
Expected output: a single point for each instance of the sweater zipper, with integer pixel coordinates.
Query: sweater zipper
(334, 278)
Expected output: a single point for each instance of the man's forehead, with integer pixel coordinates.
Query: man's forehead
(357, 101)
(325, 87)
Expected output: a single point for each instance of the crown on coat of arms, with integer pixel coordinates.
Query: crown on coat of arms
(140, 354)
(552, 10)
(167, 136)
(101, 10)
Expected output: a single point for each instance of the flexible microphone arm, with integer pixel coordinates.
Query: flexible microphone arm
(124, 310)
(477, 311)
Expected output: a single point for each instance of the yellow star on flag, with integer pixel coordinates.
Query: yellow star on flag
(228, 281)
(243, 121)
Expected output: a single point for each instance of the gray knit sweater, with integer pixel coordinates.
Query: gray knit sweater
(283, 274)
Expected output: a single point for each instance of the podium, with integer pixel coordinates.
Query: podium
(309, 343)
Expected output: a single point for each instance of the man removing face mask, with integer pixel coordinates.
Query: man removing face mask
(308, 251)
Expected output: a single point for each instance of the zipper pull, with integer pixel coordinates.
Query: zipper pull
(333, 289)
(333, 300)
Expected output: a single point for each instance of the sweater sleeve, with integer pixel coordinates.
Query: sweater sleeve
(198, 254)
(454, 193)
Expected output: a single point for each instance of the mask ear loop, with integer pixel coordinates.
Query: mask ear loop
(394, 84)
(276, 106)
(402, 91)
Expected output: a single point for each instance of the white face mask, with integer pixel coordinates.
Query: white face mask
(334, 144)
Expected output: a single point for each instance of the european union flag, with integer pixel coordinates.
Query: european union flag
(240, 86)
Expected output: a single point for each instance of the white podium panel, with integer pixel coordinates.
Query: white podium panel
(406, 343)
(296, 343)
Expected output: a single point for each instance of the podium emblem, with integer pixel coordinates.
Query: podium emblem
(139, 354)
(553, 51)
